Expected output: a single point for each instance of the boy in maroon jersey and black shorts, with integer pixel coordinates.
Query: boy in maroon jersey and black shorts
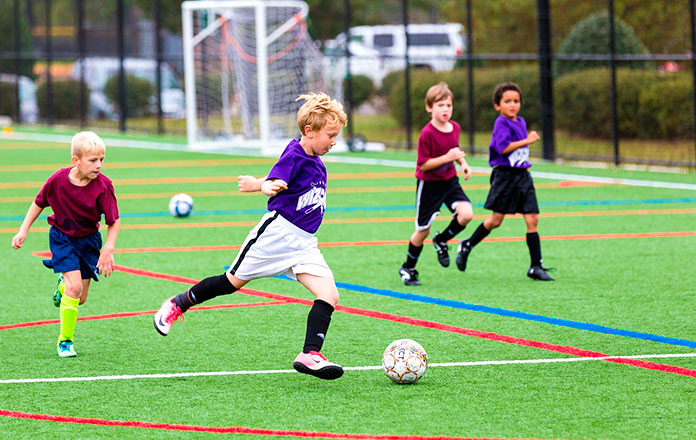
(437, 181)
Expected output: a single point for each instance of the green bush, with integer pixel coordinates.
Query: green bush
(8, 99)
(66, 99)
(485, 80)
(139, 91)
(362, 89)
(591, 36)
(650, 105)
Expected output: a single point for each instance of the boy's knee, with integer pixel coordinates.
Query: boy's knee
(331, 297)
(74, 291)
(464, 218)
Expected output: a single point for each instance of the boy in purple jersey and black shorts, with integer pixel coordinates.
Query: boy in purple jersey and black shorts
(512, 189)
(283, 242)
(437, 182)
(79, 196)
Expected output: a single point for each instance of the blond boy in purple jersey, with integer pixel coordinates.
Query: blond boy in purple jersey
(283, 242)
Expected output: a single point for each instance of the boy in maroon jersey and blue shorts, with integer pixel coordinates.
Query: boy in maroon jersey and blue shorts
(79, 195)
(283, 242)
(437, 182)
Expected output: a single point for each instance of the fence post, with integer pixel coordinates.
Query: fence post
(348, 98)
(121, 69)
(470, 75)
(693, 66)
(49, 59)
(17, 54)
(612, 64)
(407, 76)
(158, 68)
(546, 79)
(83, 59)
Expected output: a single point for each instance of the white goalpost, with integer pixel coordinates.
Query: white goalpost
(245, 63)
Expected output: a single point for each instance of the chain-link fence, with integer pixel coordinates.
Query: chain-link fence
(602, 80)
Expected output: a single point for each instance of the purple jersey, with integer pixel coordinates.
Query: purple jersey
(506, 131)
(304, 202)
(435, 143)
(77, 210)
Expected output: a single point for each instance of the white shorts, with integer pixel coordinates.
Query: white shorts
(274, 247)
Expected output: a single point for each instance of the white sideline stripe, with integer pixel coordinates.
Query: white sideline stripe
(343, 159)
(371, 367)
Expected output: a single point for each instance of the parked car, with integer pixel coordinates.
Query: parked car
(29, 110)
(432, 46)
(98, 70)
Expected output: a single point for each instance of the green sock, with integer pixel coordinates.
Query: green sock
(68, 317)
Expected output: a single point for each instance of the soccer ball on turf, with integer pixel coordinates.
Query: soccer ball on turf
(404, 361)
(181, 205)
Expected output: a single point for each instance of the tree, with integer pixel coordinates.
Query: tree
(591, 36)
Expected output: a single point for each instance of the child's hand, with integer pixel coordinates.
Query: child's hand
(247, 183)
(455, 153)
(106, 261)
(273, 187)
(532, 137)
(18, 239)
(466, 170)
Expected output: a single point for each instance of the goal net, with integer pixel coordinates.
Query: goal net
(245, 63)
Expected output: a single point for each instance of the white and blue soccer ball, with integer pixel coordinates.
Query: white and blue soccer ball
(181, 205)
(404, 361)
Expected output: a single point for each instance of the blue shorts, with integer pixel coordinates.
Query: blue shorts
(71, 253)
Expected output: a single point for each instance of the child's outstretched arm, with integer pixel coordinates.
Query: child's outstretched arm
(32, 214)
(273, 187)
(106, 256)
(250, 183)
(532, 137)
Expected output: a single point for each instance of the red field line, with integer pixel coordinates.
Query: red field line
(221, 429)
(132, 314)
(565, 349)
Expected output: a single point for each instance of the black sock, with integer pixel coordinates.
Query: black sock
(412, 255)
(534, 245)
(203, 291)
(318, 322)
(452, 229)
(479, 234)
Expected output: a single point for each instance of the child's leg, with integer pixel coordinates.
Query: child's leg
(485, 228)
(310, 360)
(69, 303)
(208, 288)
(533, 241)
(415, 247)
(319, 318)
(85, 290)
(464, 213)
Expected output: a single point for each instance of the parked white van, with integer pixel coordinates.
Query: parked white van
(432, 46)
(98, 70)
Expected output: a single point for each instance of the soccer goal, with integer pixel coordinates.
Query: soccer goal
(245, 63)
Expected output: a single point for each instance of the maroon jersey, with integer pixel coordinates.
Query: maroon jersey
(77, 210)
(434, 143)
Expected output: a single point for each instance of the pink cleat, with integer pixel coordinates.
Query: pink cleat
(166, 315)
(316, 364)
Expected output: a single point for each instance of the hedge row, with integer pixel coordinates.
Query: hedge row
(66, 99)
(8, 99)
(650, 105)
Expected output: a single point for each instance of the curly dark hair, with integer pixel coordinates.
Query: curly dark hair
(502, 88)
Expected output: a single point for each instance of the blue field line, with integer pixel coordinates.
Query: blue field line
(513, 314)
(12, 218)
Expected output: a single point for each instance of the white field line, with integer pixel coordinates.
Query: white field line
(372, 367)
(343, 159)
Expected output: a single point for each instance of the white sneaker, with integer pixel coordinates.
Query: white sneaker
(166, 315)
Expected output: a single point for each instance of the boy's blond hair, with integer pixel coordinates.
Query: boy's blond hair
(86, 142)
(438, 92)
(320, 110)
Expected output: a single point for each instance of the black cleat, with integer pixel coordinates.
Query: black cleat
(409, 275)
(442, 251)
(539, 273)
(463, 251)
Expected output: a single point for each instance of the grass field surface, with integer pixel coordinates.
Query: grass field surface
(608, 350)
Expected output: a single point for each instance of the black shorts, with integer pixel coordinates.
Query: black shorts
(512, 191)
(431, 194)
